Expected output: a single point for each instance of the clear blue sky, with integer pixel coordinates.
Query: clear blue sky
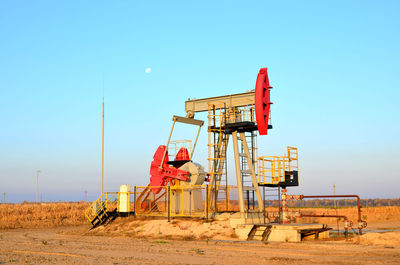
(334, 66)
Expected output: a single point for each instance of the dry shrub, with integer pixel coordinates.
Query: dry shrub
(32, 215)
(204, 237)
(188, 238)
(234, 235)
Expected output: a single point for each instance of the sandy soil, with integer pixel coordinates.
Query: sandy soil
(184, 229)
(73, 245)
(388, 239)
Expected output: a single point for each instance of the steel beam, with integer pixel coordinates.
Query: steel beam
(234, 100)
(187, 120)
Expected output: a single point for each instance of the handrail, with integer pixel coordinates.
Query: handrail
(103, 202)
(271, 169)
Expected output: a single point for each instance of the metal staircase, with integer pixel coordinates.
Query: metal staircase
(104, 210)
(259, 232)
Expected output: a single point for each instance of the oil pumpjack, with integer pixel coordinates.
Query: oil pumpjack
(238, 115)
(176, 182)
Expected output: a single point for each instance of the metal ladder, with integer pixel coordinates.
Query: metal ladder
(219, 169)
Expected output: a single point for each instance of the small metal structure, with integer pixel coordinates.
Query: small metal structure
(281, 171)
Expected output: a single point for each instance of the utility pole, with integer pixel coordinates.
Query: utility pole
(85, 195)
(37, 185)
(4, 200)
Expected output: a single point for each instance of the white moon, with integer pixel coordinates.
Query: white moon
(148, 70)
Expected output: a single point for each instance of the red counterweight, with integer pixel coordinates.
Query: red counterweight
(183, 154)
(262, 101)
(159, 174)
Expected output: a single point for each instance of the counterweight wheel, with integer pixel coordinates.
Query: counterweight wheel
(262, 101)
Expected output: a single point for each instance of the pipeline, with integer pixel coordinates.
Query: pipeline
(361, 224)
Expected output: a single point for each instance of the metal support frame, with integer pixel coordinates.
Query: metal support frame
(166, 147)
(182, 120)
(195, 142)
(253, 173)
(218, 168)
(238, 173)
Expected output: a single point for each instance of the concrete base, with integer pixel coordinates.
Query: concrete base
(286, 232)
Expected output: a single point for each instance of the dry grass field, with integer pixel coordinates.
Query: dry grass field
(34, 215)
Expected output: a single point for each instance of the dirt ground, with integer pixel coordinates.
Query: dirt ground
(56, 234)
(73, 245)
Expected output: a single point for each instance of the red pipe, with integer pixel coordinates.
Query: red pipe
(341, 196)
(324, 215)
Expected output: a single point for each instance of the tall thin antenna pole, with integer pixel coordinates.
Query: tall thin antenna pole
(102, 144)
(4, 201)
(37, 185)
